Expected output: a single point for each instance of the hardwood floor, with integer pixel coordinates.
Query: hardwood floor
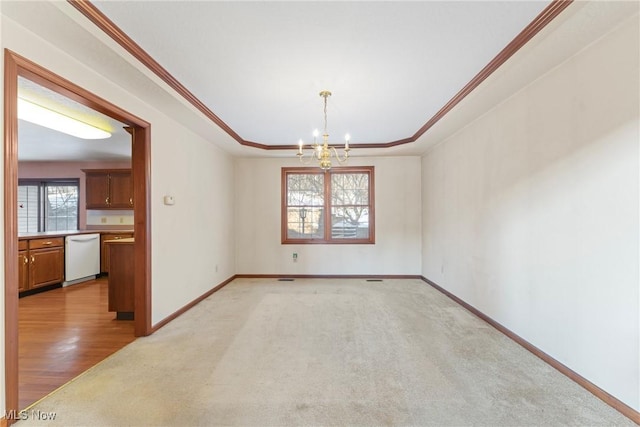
(62, 333)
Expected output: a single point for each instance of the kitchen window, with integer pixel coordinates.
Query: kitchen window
(47, 205)
(328, 207)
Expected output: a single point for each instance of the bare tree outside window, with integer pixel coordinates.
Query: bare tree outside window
(345, 195)
(48, 205)
(61, 208)
(305, 205)
(350, 205)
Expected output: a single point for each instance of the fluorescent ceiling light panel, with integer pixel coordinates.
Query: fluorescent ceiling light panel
(38, 115)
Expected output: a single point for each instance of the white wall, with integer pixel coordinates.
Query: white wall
(189, 239)
(397, 209)
(530, 213)
(193, 241)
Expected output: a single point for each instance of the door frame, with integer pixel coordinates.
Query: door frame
(14, 66)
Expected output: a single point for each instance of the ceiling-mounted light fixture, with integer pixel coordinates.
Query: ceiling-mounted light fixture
(42, 116)
(323, 152)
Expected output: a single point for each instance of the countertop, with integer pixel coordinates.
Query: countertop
(125, 240)
(27, 236)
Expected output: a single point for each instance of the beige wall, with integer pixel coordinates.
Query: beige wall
(530, 213)
(397, 204)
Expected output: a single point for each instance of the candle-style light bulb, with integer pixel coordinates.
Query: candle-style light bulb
(315, 135)
(300, 147)
(346, 141)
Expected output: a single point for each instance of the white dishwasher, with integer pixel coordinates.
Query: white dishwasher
(81, 258)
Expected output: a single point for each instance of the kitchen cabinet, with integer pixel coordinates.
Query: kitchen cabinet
(23, 266)
(41, 263)
(104, 250)
(121, 278)
(121, 189)
(97, 189)
(108, 188)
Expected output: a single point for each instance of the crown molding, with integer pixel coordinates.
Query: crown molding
(93, 14)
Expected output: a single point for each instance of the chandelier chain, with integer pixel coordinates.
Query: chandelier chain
(325, 114)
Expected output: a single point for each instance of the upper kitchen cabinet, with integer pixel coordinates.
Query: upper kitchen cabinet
(121, 189)
(109, 189)
(97, 186)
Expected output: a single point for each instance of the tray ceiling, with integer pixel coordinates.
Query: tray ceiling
(258, 66)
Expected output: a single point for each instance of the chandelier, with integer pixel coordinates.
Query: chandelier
(323, 152)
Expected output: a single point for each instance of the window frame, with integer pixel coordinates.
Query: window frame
(42, 184)
(327, 206)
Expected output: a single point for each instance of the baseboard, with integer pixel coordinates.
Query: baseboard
(327, 276)
(616, 404)
(190, 305)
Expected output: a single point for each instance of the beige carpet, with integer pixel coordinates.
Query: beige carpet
(324, 353)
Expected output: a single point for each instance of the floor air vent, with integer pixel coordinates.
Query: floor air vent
(374, 280)
(285, 280)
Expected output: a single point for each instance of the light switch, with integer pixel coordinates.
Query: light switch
(169, 200)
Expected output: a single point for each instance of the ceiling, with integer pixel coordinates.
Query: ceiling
(38, 143)
(259, 66)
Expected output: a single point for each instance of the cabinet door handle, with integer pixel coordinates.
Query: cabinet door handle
(131, 201)
(33, 259)
(107, 201)
(48, 243)
(26, 260)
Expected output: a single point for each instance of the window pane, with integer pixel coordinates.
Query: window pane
(47, 206)
(305, 190)
(349, 189)
(328, 207)
(28, 208)
(305, 223)
(61, 207)
(350, 222)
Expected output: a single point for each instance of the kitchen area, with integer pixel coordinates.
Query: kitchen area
(54, 258)
(75, 242)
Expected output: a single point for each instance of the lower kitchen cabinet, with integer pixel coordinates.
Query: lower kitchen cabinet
(41, 263)
(23, 266)
(121, 278)
(104, 250)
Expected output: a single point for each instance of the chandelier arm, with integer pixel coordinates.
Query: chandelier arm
(305, 160)
(343, 159)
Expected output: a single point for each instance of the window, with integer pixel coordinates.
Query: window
(328, 207)
(47, 205)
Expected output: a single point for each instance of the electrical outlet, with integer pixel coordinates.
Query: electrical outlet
(216, 268)
(295, 257)
(121, 220)
(103, 220)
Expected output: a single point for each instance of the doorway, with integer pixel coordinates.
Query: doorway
(15, 66)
